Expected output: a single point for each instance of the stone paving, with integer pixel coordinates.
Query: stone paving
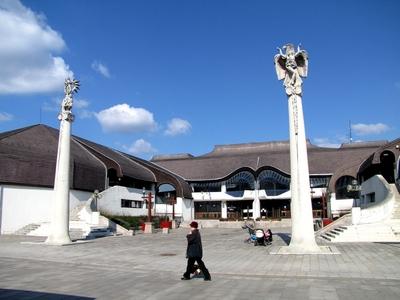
(150, 267)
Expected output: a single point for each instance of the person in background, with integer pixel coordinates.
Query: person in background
(194, 253)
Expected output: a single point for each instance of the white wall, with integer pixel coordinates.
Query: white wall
(382, 208)
(23, 205)
(339, 206)
(162, 208)
(187, 209)
(110, 201)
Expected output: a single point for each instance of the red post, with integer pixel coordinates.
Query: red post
(149, 207)
(324, 214)
(173, 207)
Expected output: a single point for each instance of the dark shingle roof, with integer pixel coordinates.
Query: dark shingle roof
(28, 157)
(227, 159)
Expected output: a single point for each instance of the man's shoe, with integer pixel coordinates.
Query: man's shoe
(207, 279)
(185, 278)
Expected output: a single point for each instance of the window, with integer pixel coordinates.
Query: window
(370, 198)
(131, 203)
(319, 181)
(207, 186)
(241, 181)
(341, 188)
(273, 183)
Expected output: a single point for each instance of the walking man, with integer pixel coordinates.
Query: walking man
(194, 253)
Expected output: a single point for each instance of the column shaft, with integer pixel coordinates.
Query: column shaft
(301, 208)
(60, 216)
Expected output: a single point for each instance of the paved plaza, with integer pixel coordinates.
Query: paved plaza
(150, 267)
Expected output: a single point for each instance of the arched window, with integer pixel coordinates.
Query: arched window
(166, 194)
(241, 181)
(112, 177)
(207, 186)
(273, 183)
(387, 166)
(341, 188)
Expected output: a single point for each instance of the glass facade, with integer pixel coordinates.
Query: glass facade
(273, 183)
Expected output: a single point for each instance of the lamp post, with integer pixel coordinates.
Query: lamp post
(96, 196)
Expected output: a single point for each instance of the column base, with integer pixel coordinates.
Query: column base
(173, 224)
(148, 227)
(58, 241)
(296, 250)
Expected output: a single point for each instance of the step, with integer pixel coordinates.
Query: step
(27, 228)
(331, 235)
(326, 237)
(76, 234)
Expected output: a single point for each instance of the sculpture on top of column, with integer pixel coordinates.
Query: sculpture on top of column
(71, 86)
(291, 66)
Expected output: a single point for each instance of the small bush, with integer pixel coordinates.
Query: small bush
(133, 222)
(128, 222)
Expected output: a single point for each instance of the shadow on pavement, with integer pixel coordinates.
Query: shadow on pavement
(284, 236)
(10, 294)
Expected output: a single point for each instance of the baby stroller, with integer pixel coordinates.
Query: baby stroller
(257, 236)
(268, 235)
(252, 236)
(263, 238)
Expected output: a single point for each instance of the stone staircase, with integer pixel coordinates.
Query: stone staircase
(81, 226)
(27, 229)
(368, 228)
(363, 233)
(333, 233)
(76, 234)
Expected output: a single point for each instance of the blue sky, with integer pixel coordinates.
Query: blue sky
(162, 77)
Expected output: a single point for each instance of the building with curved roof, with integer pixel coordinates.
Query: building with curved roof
(222, 184)
(227, 180)
(27, 168)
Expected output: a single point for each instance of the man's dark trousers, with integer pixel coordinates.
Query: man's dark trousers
(190, 265)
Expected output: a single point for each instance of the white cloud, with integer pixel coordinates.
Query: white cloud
(177, 126)
(369, 129)
(80, 103)
(141, 146)
(124, 118)
(101, 68)
(53, 105)
(85, 114)
(27, 47)
(325, 142)
(5, 117)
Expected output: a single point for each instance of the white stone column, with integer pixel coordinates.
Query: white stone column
(256, 202)
(224, 209)
(223, 188)
(303, 239)
(290, 67)
(59, 234)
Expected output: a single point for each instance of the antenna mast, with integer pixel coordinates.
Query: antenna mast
(350, 136)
